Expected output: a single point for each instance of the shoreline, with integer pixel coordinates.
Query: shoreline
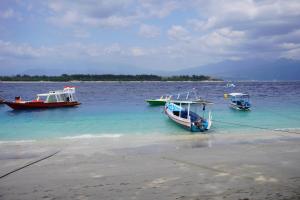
(110, 81)
(220, 81)
(225, 134)
(246, 133)
(262, 165)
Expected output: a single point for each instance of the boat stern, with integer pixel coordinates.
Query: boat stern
(195, 127)
(200, 126)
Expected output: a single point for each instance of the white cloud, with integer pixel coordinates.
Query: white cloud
(8, 49)
(291, 54)
(111, 21)
(200, 25)
(238, 11)
(73, 19)
(199, 31)
(68, 51)
(222, 41)
(149, 31)
(289, 45)
(290, 50)
(178, 32)
(70, 17)
(136, 51)
(56, 6)
(81, 33)
(158, 8)
(9, 13)
(113, 49)
(114, 14)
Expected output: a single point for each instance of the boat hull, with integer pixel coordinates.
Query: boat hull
(182, 122)
(185, 123)
(154, 102)
(240, 108)
(40, 105)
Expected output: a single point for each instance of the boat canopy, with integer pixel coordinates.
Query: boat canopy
(174, 107)
(65, 95)
(188, 97)
(236, 94)
(203, 102)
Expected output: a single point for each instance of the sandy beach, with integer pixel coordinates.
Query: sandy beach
(232, 166)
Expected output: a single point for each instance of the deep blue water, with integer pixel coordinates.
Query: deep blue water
(120, 108)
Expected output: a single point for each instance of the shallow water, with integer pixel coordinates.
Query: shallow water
(117, 108)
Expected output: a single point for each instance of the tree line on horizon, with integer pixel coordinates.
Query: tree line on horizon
(106, 77)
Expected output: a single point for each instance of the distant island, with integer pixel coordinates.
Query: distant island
(106, 77)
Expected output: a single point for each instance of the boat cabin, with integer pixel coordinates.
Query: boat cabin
(240, 101)
(239, 98)
(65, 95)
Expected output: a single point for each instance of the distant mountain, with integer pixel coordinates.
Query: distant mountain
(281, 69)
(255, 69)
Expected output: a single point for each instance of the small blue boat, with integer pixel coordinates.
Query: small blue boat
(230, 85)
(180, 112)
(240, 101)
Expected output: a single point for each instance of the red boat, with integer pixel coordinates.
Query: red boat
(53, 99)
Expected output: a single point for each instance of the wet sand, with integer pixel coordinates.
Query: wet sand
(232, 166)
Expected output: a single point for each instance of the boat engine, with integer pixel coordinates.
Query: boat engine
(199, 123)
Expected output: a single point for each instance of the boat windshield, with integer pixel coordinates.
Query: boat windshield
(240, 100)
(51, 98)
(41, 98)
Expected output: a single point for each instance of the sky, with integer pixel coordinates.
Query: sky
(150, 34)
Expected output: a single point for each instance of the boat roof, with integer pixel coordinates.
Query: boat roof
(66, 90)
(192, 102)
(52, 93)
(237, 94)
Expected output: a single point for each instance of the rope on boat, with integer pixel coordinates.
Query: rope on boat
(29, 164)
(257, 127)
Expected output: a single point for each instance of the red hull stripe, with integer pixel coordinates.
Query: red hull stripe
(33, 105)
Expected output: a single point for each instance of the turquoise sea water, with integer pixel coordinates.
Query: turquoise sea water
(118, 108)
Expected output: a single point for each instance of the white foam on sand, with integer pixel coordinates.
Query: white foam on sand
(16, 141)
(88, 136)
(293, 130)
(84, 136)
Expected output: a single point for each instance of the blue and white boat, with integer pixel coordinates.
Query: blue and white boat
(181, 113)
(230, 85)
(240, 101)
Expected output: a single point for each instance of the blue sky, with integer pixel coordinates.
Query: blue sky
(150, 34)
